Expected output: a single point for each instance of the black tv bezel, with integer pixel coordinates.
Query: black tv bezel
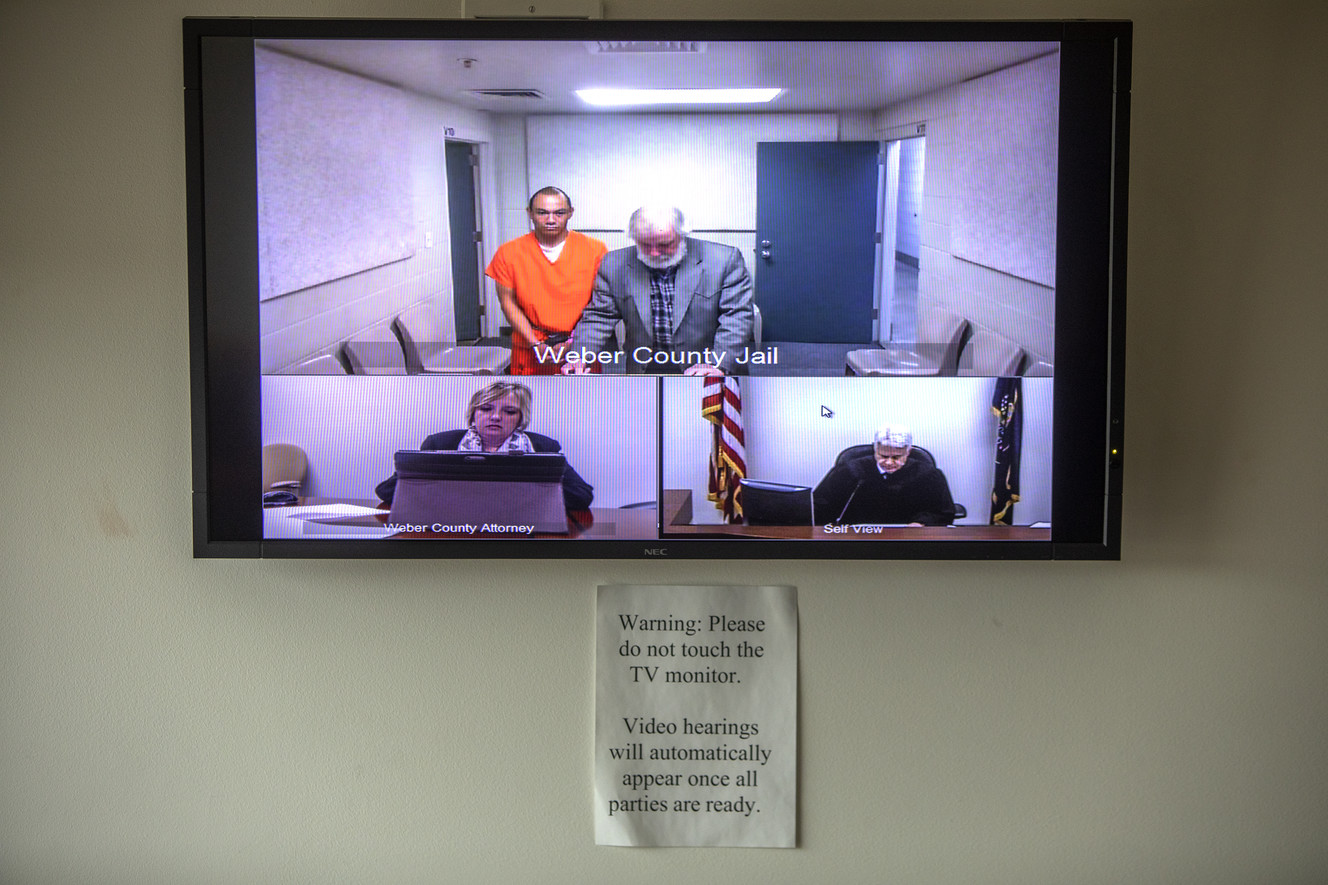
(1092, 204)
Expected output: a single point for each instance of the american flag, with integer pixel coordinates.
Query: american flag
(721, 405)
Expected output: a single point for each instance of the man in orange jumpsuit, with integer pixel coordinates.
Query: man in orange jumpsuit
(544, 280)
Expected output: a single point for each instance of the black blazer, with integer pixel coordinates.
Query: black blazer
(857, 492)
(577, 493)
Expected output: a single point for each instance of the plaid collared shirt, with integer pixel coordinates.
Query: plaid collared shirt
(661, 305)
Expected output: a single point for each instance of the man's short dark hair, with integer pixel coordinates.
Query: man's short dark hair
(549, 191)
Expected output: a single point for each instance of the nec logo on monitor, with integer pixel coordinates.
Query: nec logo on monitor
(656, 551)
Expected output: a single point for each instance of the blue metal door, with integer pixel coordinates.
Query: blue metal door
(465, 239)
(816, 208)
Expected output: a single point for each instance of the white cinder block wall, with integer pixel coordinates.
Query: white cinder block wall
(316, 319)
(612, 163)
(1021, 310)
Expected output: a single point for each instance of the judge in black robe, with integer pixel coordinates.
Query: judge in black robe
(860, 491)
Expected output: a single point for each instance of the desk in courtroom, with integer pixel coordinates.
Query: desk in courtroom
(677, 523)
(302, 520)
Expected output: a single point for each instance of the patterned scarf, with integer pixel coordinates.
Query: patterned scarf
(517, 442)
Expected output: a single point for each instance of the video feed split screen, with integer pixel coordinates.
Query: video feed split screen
(826, 315)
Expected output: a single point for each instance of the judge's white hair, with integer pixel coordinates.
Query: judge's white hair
(893, 436)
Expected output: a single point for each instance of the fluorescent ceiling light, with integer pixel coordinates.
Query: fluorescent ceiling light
(621, 97)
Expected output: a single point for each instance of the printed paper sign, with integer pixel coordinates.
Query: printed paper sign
(696, 696)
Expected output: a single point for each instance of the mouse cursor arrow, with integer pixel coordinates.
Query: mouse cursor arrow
(826, 413)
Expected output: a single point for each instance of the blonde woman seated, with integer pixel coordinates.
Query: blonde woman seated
(496, 420)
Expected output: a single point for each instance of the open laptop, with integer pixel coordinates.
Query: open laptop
(490, 494)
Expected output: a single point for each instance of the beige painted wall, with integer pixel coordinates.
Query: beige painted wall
(1161, 719)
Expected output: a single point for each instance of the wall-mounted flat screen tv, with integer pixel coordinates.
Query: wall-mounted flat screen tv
(588, 289)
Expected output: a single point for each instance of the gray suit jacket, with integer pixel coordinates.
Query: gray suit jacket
(712, 307)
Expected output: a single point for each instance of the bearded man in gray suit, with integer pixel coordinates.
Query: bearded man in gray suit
(685, 304)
